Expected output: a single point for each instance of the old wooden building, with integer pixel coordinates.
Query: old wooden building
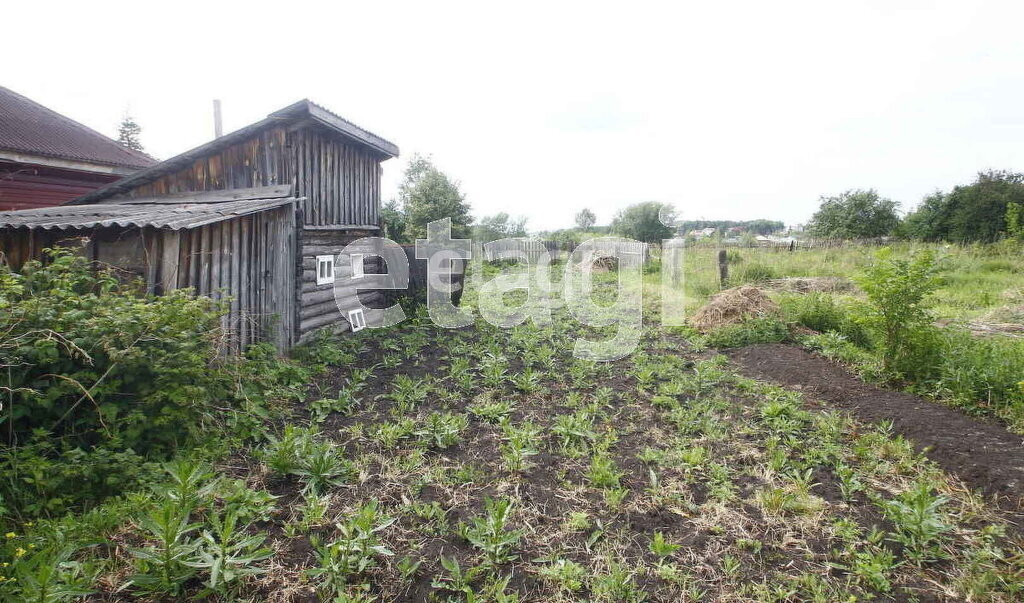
(47, 159)
(239, 186)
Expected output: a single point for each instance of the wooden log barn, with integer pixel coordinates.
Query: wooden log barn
(258, 216)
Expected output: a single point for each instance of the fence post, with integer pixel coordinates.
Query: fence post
(723, 268)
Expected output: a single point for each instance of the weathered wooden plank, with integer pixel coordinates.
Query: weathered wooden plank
(215, 263)
(243, 296)
(205, 261)
(236, 277)
(169, 260)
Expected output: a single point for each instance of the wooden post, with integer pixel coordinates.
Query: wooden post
(723, 268)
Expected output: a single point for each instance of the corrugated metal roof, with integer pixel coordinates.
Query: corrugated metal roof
(30, 128)
(175, 212)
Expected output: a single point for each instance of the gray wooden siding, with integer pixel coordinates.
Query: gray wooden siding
(248, 260)
(339, 180)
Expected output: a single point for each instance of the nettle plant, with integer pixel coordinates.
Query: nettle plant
(188, 537)
(521, 442)
(301, 452)
(442, 430)
(353, 552)
(491, 534)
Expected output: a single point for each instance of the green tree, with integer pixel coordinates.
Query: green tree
(979, 209)
(498, 226)
(975, 212)
(428, 194)
(855, 214)
(128, 133)
(392, 221)
(585, 219)
(930, 221)
(644, 222)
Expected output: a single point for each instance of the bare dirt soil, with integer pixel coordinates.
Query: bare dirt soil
(984, 454)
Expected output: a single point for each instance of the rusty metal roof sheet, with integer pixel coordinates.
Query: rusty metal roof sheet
(173, 212)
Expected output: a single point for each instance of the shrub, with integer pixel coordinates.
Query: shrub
(104, 380)
(94, 361)
(897, 289)
(41, 478)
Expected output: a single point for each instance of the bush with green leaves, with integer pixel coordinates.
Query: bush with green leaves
(897, 289)
(92, 360)
(105, 381)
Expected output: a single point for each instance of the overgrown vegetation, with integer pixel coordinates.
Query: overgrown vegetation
(420, 463)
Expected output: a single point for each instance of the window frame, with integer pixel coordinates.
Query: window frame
(324, 277)
(358, 269)
(357, 319)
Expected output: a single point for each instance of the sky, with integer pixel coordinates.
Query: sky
(727, 110)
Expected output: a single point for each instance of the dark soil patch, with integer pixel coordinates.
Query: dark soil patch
(982, 453)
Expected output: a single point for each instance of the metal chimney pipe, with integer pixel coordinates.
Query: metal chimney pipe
(218, 126)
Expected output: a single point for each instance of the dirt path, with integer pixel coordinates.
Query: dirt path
(984, 454)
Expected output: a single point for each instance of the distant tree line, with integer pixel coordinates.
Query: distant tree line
(988, 209)
(761, 227)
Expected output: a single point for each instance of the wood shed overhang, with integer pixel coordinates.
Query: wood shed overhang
(175, 212)
(302, 112)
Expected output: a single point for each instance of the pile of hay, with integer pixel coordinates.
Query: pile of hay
(733, 306)
(812, 284)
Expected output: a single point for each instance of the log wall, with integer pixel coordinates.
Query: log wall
(339, 180)
(317, 306)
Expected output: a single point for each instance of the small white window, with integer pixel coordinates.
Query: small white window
(324, 269)
(357, 265)
(357, 319)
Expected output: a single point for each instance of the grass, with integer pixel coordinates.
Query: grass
(976, 279)
(489, 464)
(978, 374)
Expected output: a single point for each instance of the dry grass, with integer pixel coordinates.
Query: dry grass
(815, 284)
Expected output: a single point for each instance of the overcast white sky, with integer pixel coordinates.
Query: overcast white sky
(739, 110)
